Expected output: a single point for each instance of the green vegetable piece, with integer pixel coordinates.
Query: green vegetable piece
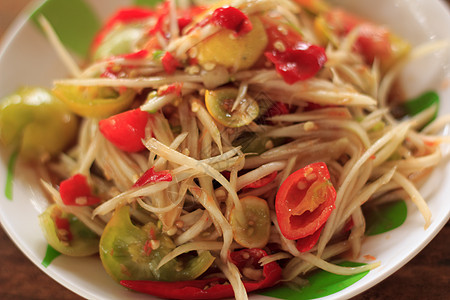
(220, 103)
(321, 284)
(50, 255)
(256, 143)
(151, 3)
(74, 21)
(83, 241)
(94, 102)
(132, 253)
(424, 101)
(37, 123)
(255, 232)
(385, 217)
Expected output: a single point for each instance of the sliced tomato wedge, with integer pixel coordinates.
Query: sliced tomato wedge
(126, 130)
(76, 191)
(304, 201)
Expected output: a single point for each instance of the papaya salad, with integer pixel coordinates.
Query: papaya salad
(210, 149)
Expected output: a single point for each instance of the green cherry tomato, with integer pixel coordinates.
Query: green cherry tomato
(256, 231)
(36, 122)
(129, 252)
(122, 40)
(67, 234)
(94, 102)
(219, 103)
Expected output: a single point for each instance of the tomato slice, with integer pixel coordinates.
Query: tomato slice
(304, 201)
(232, 18)
(126, 130)
(76, 191)
(278, 31)
(263, 181)
(373, 40)
(255, 232)
(66, 233)
(299, 62)
(130, 252)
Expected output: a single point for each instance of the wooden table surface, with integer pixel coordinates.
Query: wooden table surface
(427, 276)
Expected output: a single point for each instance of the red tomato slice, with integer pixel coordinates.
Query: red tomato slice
(304, 201)
(231, 18)
(126, 130)
(278, 31)
(305, 244)
(152, 176)
(373, 40)
(170, 63)
(299, 62)
(76, 191)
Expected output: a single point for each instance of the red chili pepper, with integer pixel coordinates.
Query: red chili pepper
(313, 106)
(76, 191)
(304, 201)
(174, 88)
(231, 18)
(126, 130)
(300, 62)
(112, 71)
(125, 15)
(277, 109)
(159, 25)
(141, 54)
(263, 181)
(349, 225)
(169, 62)
(211, 288)
(152, 176)
(187, 16)
(250, 257)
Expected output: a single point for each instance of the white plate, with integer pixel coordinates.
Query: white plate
(25, 48)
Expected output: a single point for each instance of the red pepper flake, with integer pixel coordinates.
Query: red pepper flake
(430, 143)
(174, 88)
(148, 247)
(277, 109)
(151, 176)
(349, 225)
(141, 54)
(263, 181)
(372, 157)
(169, 62)
(77, 187)
(158, 26)
(369, 257)
(300, 62)
(152, 234)
(112, 72)
(231, 18)
(187, 16)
